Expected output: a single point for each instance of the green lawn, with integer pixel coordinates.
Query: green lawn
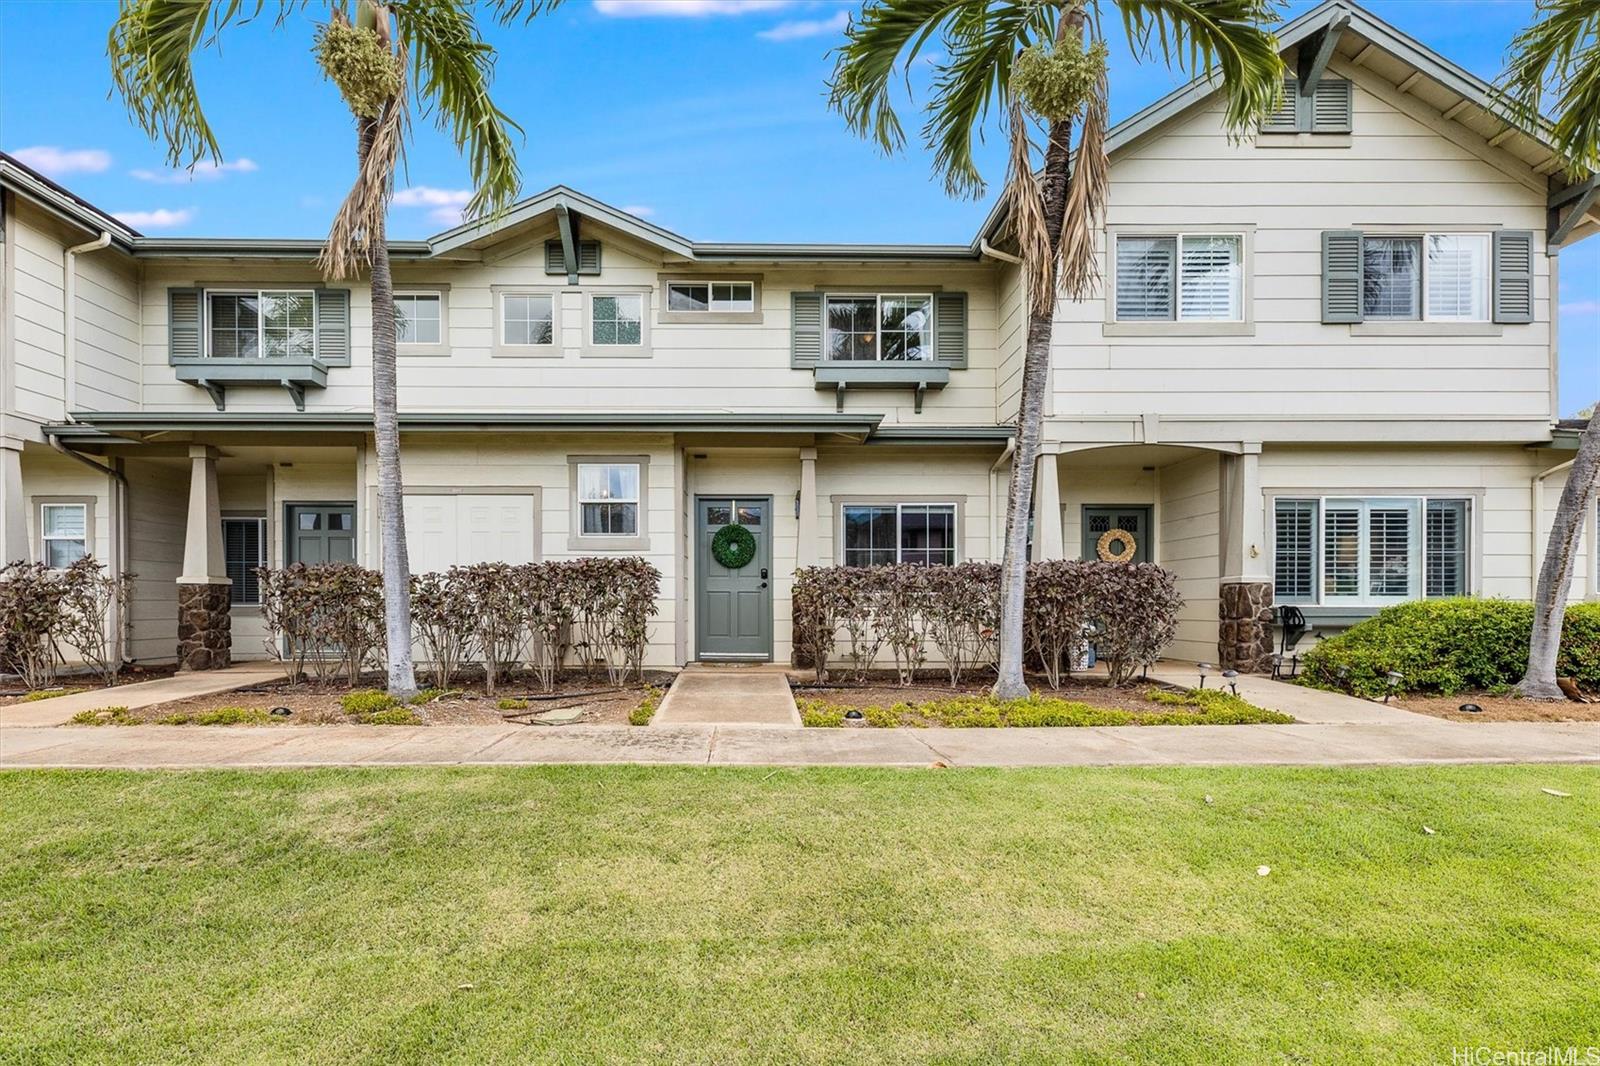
(629, 914)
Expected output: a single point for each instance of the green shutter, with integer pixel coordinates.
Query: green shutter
(805, 330)
(1513, 275)
(333, 326)
(183, 325)
(554, 261)
(1332, 105)
(950, 329)
(1341, 275)
(1283, 119)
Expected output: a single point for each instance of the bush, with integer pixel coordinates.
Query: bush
(1193, 707)
(41, 610)
(392, 716)
(1448, 646)
(646, 710)
(327, 616)
(105, 716)
(218, 716)
(367, 701)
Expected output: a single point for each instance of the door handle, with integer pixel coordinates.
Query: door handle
(763, 584)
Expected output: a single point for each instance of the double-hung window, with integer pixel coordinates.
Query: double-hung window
(1437, 277)
(608, 499)
(63, 533)
(919, 534)
(1180, 277)
(891, 327)
(267, 323)
(244, 550)
(711, 296)
(419, 318)
(1361, 551)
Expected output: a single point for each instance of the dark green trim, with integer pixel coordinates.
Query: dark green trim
(569, 241)
(1316, 50)
(959, 435)
(215, 375)
(446, 421)
(919, 377)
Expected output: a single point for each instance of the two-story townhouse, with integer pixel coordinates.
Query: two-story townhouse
(1322, 374)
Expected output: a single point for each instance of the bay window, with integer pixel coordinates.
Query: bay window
(1182, 277)
(919, 534)
(1360, 551)
(882, 327)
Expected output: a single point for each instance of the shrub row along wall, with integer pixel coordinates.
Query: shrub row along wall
(328, 620)
(856, 617)
(1449, 646)
(45, 611)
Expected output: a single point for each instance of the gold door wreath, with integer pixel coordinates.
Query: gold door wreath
(1111, 536)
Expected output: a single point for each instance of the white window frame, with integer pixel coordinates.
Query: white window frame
(1424, 312)
(442, 345)
(740, 307)
(899, 516)
(504, 348)
(639, 539)
(616, 351)
(1418, 578)
(45, 537)
(261, 320)
(261, 560)
(1178, 237)
(877, 336)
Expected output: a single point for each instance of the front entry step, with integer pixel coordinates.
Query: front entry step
(729, 695)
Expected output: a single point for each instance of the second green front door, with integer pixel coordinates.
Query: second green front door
(733, 606)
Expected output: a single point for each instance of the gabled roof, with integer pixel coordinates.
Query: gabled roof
(62, 202)
(1361, 38)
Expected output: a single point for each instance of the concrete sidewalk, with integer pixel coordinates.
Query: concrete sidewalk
(753, 695)
(60, 710)
(1342, 744)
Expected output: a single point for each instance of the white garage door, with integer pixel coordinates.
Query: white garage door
(444, 531)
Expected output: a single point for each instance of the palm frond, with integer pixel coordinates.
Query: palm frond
(352, 239)
(508, 11)
(1087, 196)
(1209, 36)
(1559, 55)
(451, 69)
(1023, 204)
(151, 47)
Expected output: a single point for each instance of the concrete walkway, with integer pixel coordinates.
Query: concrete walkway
(60, 710)
(729, 695)
(1310, 706)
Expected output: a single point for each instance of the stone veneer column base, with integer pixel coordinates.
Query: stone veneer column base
(205, 629)
(1244, 638)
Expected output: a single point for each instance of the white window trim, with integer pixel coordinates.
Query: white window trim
(416, 348)
(899, 503)
(86, 503)
(709, 317)
(1484, 326)
(577, 539)
(617, 351)
(265, 552)
(500, 348)
(877, 342)
(1244, 326)
(261, 322)
(1364, 601)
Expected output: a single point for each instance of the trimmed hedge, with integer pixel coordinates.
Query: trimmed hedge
(1450, 645)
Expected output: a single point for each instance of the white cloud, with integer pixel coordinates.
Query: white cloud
(639, 210)
(1581, 307)
(684, 8)
(160, 218)
(56, 161)
(205, 170)
(449, 215)
(428, 196)
(802, 28)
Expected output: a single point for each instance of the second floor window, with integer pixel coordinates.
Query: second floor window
(1181, 277)
(274, 324)
(419, 317)
(527, 319)
(891, 327)
(1441, 277)
(618, 319)
(711, 296)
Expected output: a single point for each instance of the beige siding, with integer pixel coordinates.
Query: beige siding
(1011, 340)
(158, 504)
(35, 249)
(1187, 518)
(1404, 168)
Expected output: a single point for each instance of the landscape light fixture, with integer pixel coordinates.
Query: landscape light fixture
(1232, 678)
(1205, 669)
(1394, 678)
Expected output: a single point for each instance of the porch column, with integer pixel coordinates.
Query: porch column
(205, 638)
(1047, 539)
(806, 539)
(14, 545)
(1244, 634)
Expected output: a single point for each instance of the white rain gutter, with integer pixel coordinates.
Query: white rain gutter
(1536, 491)
(985, 248)
(69, 313)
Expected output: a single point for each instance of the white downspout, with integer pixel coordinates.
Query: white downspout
(69, 314)
(992, 252)
(996, 523)
(1534, 553)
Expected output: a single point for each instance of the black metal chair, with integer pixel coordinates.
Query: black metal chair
(1292, 628)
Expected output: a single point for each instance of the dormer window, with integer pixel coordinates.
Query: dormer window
(890, 327)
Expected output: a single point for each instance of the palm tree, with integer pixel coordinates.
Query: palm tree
(1560, 54)
(1040, 63)
(434, 45)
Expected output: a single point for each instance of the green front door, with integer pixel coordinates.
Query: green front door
(733, 609)
(320, 533)
(1115, 526)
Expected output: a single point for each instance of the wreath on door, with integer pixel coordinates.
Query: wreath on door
(1128, 547)
(733, 547)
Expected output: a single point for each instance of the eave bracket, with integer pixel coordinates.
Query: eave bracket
(1317, 50)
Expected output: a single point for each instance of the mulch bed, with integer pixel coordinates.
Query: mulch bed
(1499, 708)
(881, 691)
(318, 703)
(13, 692)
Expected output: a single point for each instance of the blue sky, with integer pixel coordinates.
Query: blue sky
(706, 116)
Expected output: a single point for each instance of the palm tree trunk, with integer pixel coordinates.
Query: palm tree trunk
(1555, 576)
(391, 493)
(1010, 683)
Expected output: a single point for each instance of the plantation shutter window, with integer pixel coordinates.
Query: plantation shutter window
(1445, 534)
(1212, 275)
(1458, 277)
(244, 550)
(278, 324)
(63, 533)
(1391, 286)
(1341, 551)
(608, 499)
(1295, 551)
(1391, 552)
(1513, 276)
(1145, 267)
